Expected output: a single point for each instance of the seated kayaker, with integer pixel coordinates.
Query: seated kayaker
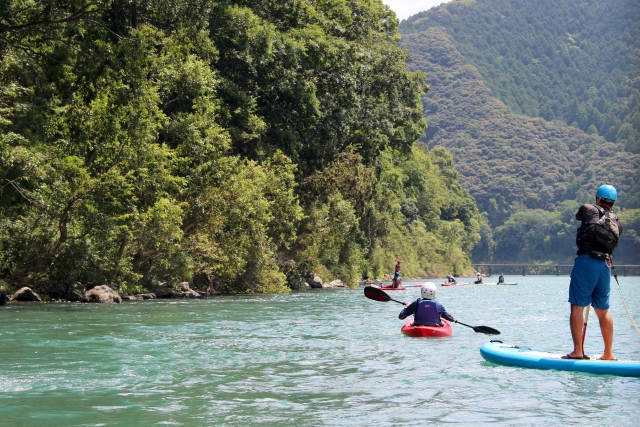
(478, 279)
(451, 279)
(501, 278)
(426, 311)
(397, 280)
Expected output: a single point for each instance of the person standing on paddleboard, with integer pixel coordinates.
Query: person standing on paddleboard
(426, 310)
(591, 275)
(397, 280)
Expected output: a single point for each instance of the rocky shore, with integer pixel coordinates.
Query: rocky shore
(108, 293)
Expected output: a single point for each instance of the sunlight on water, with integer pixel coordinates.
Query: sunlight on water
(324, 357)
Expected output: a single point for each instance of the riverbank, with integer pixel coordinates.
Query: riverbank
(105, 292)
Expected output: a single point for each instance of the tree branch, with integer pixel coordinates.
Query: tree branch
(74, 17)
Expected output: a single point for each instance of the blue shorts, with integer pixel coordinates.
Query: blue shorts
(590, 283)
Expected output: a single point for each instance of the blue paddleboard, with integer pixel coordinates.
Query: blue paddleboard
(512, 355)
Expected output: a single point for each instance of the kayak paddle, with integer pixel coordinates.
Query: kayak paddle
(380, 295)
(483, 329)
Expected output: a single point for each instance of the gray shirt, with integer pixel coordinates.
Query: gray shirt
(589, 214)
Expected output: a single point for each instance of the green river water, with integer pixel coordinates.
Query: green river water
(314, 358)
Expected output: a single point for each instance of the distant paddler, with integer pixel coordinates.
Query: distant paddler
(397, 279)
(451, 279)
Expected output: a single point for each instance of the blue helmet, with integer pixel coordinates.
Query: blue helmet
(607, 193)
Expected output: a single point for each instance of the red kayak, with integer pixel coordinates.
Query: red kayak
(427, 331)
(389, 288)
(454, 284)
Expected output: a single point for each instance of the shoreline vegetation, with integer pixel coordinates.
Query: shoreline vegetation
(241, 147)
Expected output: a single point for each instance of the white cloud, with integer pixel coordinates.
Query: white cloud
(406, 8)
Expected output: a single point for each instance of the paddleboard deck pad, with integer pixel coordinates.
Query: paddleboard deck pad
(513, 355)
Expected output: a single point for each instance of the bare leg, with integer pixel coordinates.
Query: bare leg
(576, 321)
(606, 327)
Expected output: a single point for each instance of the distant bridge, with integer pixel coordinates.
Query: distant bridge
(486, 268)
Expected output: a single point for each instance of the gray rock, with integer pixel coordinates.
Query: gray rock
(191, 294)
(146, 296)
(314, 281)
(165, 292)
(102, 294)
(334, 284)
(25, 294)
(184, 286)
(131, 297)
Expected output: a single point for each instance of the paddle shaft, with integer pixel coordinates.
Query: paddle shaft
(464, 324)
(395, 300)
(584, 327)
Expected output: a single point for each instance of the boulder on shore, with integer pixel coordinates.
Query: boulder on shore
(25, 294)
(165, 292)
(188, 294)
(314, 281)
(334, 284)
(102, 294)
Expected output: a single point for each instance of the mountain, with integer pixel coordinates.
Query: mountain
(576, 60)
(506, 159)
(494, 69)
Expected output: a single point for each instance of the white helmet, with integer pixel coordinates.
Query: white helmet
(428, 290)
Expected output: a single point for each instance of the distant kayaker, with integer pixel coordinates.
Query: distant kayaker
(501, 278)
(397, 280)
(451, 279)
(478, 279)
(591, 275)
(426, 310)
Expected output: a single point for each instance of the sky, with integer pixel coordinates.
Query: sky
(406, 8)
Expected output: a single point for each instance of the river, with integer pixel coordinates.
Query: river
(314, 358)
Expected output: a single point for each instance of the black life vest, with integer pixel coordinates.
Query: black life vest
(601, 235)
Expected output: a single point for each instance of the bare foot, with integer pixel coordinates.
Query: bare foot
(607, 358)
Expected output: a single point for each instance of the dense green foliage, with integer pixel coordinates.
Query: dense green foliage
(518, 168)
(242, 144)
(577, 60)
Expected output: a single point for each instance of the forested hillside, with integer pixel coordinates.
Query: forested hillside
(523, 171)
(574, 60)
(242, 145)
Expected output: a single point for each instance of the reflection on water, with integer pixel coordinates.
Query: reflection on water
(325, 357)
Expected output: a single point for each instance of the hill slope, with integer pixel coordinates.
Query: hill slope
(575, 60)
(507, 160)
